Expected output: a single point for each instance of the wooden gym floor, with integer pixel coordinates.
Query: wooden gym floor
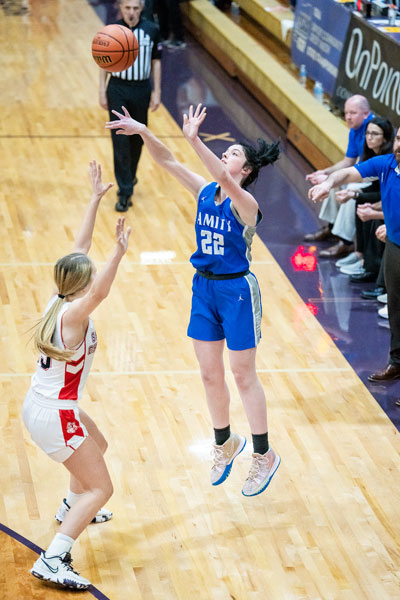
(328, 525)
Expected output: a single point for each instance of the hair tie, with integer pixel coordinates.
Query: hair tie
(61, 296)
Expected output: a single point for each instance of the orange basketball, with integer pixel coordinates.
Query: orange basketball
(115, 48)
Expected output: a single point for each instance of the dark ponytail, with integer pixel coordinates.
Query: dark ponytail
(256, 158)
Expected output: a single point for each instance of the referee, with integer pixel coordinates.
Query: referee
(132, 89)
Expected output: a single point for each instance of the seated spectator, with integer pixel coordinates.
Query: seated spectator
(341, 219)
(364, 264)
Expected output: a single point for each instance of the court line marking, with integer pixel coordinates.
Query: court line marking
(197, 372)
(77, 137)
(32, 546)
(129, 262)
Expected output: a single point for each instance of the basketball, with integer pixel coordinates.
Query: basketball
(115, 48)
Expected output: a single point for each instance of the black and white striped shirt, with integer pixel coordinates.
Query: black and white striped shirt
(148, 37)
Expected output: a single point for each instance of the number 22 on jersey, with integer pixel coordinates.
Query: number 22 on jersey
(212, 242)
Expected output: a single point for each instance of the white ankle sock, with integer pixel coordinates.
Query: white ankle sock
(60, 544)
(72, 498)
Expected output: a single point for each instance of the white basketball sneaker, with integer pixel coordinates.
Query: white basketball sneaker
(263, 468)
(58, 569)
(103, 514)
(223, 457)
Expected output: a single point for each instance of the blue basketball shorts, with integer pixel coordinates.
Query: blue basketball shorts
(226, 309)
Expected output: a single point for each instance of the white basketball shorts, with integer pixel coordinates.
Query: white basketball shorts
(57, 431)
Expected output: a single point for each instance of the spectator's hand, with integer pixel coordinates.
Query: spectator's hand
(319, 192)
(343, 196)
(126, 125)
(103, 100)
(99, 189)
(381, 233)
(366, 213)
(155, 100)
(317, 177)
(192, 122)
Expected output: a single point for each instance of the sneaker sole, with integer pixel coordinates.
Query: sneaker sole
(78, 586)
(96, 519)
(228, 467)
(102, 519)
(275, 468)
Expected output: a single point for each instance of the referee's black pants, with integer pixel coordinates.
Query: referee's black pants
(135, 96)
(392, 281)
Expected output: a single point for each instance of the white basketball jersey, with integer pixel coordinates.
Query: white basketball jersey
(65, 380)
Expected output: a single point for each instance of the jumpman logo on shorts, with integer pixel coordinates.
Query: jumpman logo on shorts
(240, 299)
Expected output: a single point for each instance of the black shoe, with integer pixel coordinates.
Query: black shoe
(372, 294)
(363, 278)
(123, 203)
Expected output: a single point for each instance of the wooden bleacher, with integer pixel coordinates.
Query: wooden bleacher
(272, 16)
(319, 135)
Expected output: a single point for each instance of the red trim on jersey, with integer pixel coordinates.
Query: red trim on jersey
(72, 378)
(70, 425)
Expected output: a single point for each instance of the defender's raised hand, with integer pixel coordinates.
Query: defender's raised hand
(125, 124)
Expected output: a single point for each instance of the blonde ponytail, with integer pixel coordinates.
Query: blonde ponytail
(45, 331)
(72, 273)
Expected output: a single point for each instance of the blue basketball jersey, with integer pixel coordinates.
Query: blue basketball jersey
(223, 240)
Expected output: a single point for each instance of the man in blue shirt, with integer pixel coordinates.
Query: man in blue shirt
(387, 168)
(341, 220)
